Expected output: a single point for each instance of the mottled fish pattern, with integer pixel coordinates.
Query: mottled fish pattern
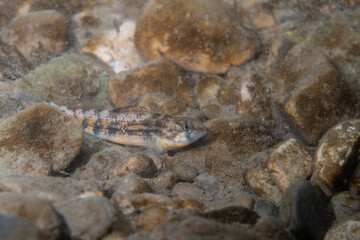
(137, 126)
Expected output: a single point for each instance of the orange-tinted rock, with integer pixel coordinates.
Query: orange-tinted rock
(43, 29)
(290, 161)
(312, 93)
(337, 157)
(151, 217)
(159, 76)
(39, 141)
(198, 35)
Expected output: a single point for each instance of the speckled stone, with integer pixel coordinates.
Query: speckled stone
(36, 210)
(39, 29)
(158, 76)
(87, 218)
(337, 156)
(347, 229)
(152, 216)
(290, 161)
(201, 36)
(67, 80)
(345, 204)
(31, 142)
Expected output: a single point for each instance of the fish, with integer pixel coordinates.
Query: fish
(137, 126)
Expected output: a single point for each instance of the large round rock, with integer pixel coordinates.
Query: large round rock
(198, 35)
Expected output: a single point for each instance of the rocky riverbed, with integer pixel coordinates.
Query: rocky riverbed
(276, 83)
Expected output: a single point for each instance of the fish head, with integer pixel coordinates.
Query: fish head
(180, 132)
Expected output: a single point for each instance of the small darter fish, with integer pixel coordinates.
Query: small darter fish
(137, 126)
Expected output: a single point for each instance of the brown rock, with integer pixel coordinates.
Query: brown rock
(165, 180)
(290, 161)
(144, 200)
(42, 29)
(151, 217)
(311, 91)
(184, 171)
(244, 201)
(140, 164)
(66, 80)
(207, 89)
(347, 229)
(31, 142)
(201, 36)
(345, 204)
(13, 65)
(87, 218)
(259, 178)
(272, 228)
(36, 210)
(188, 190)
(189, 203)
(159, 76)
(234, 214)
(337, 156)
(50, 188)
(162, 103)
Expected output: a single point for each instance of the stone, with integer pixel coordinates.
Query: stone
(188, 190)
(355, 181)
(346, 229)
(184, 171)
(106, 34)
(290, 161)
(207, 89)
(245, 201)
(336, 157)
(144, 200)
(152, 216)
(303, 212)
(66, 80)
(206, 23)
(87, 218)
(238, 138)
(9, 105)
(165, 180)
(158, 76)
(345, 204)
(14, 228)
(49, 188)
(266, 208)
(140, 164)
(260, 179)
(189, 203)
(33, 209)
(209, 184)
(13, 64)
(31, 142)
(311, 92)
(45, 30)
(233, 214)
(272, 228)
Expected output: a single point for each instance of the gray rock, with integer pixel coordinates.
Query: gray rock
(184, 171)
(303, 212)
(346, 229)
(266, 208)
(36, 210)
(39, 141)
(87, 218)
(14, 228)
(345, 204)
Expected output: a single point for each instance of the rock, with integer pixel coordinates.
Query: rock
(165, 180)
(8, 104)
(13, 65)
(347, 229)
(237, 139)
(207, 90)
(184, 171)
(152, 216)
(159, 76)
(290, 161)
(144, 200)
(106, 34)
(189, 203)
(345, 204)
(303, 212)
(198, 228)
(206, 23)
(312, 93)
(87, 218)
(116, 162)
(272, 228)
(30, 142)
(234, 214)
(244, 201)
(36, 210)
(336, 157)
(45, 30)
(209, 184)
(14, 228)
(355, 181)
(133, 8)
(50, 188)
(188, 190)
(260, 179)
(266, 208)
(140, 164)
(68, 79)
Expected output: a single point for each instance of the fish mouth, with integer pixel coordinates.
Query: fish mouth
(196, 135)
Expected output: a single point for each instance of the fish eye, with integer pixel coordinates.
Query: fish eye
(186, 126)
